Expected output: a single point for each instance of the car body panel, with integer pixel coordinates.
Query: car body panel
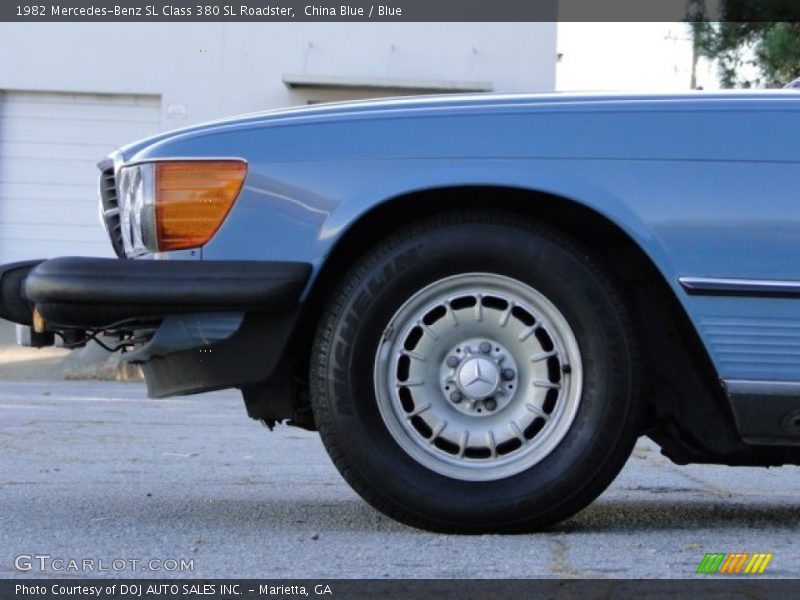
(705, 184)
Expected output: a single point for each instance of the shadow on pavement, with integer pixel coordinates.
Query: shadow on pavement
(704, 511)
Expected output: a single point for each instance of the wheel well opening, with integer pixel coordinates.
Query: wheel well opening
(573, 218)
(680, 383)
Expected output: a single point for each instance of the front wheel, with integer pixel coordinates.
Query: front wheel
(476, 374)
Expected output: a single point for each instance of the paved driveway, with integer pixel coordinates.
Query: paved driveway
(92, 470)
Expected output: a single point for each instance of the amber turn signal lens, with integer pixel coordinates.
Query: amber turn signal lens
(193, 198)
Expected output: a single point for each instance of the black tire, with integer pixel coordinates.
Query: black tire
(585, 461)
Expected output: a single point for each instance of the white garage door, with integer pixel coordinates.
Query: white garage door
(50, 144)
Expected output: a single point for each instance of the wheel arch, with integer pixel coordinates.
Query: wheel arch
(688, 412)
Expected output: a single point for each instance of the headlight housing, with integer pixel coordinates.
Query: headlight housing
(137, 191)
(175, 205)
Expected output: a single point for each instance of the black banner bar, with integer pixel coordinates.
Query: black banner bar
(750, 587)
(378, 10)
(278, 10)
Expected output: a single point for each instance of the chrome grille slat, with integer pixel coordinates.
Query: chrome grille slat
(108, 197)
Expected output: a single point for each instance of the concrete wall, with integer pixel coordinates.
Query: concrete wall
(208, 70)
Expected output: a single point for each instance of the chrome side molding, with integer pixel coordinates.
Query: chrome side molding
(712, 286)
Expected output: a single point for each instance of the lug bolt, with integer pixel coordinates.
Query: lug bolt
(508, 374)
(452, 361)
(456, 397)
(485, 347)
(490, 403)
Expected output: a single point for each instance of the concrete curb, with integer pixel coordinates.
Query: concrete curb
(89, 363)
(95, 362)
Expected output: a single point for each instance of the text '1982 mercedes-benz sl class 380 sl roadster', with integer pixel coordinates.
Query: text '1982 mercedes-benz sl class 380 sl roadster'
(480, 302)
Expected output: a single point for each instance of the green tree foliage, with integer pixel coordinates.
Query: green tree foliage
(764, 34)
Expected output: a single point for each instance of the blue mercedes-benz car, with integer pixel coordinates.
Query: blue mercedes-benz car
(480, 302)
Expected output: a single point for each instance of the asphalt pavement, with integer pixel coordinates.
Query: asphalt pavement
(96, 471)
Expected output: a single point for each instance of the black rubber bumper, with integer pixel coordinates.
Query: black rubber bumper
(97, 292)
(14, 306)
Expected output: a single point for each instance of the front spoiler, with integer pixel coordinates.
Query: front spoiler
(203, 325)
(96, 293)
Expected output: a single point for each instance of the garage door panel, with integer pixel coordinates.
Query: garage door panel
(101, 134)
(54, 212)
(47, 248)
(88, 232)
(21, 171)
(47, 190)
(73, 157)
(69, 98)
(50, 144)
(53, 151)
(78, 113)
